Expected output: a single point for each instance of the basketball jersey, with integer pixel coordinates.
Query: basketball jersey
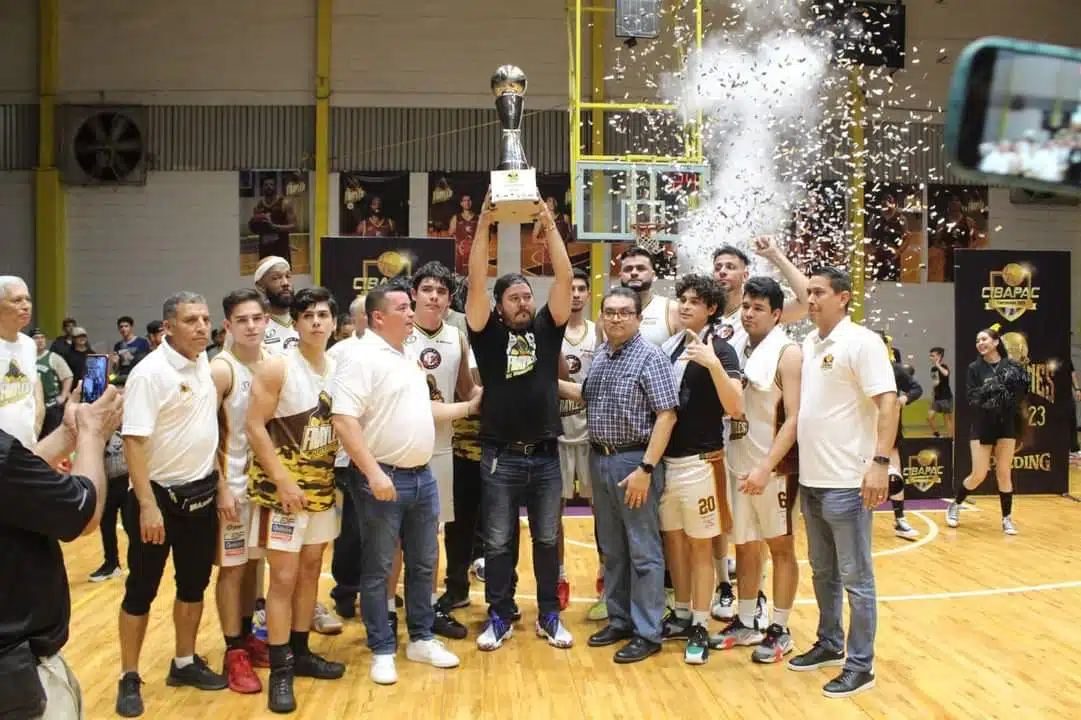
(303, 437)
(654, 325)
(751, 437)
(235, 407)
(374, 229)
(440, 356)
(18, 375)
(579, 357)
(730, 328)
(464, 230)
(280, 336)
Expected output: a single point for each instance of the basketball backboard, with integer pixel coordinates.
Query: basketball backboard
(611, 198)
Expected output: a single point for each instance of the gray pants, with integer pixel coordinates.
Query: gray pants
(64, 698)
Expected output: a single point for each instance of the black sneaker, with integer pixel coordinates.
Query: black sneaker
(317, 666)
(449, 601)
(197, 675)
(398, 601)
(697, 651)
(817, 657)
(129, 701)
(280, 698)
(446, 626)
(107, 571)
(674, 628)
(345, 607)
(515, 612)
(392, 618)
(849, 683)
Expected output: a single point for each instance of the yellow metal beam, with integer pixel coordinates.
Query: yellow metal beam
(324, 11)
(598, 260)
(857, 150)
(595, 105)
(51, 277)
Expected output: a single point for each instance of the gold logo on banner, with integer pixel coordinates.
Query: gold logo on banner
(389, 265)
(923, 471)
(1010, 292)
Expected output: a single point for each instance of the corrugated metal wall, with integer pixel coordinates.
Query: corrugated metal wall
(18, 137)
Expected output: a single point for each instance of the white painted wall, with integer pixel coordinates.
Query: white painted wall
(17, 225)
(128, 248)
(19, 38)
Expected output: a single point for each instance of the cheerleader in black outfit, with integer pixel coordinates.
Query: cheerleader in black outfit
(996, 387)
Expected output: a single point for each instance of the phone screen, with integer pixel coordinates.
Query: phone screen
(96, 378)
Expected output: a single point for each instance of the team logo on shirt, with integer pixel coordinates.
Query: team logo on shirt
(923, 471)
(430, 358)
(291, 342)
(521, 354)
(15, 385)
(574, 364)
(827, 362)
(727, 331)
(1010, 291)
(434, 392)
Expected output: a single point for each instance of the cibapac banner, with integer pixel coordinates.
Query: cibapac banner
(353, 266)
(927, 467)
(1028, 295)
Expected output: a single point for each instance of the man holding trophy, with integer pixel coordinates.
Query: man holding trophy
(517, 351)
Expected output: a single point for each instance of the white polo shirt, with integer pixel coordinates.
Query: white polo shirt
(837, 417)
(172, 401)
(335, 352)
(388, 391)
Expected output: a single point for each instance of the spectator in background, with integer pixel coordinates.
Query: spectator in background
(116, 475)
(62, 345)
(128, 351)
(155, 331)
(217, 343)
(78, 352)
(56, 381)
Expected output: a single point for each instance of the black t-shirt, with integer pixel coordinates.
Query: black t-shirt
(38, 508)
(699, 417)
(520, 374)
(940, 383)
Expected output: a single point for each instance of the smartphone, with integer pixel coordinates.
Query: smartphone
(96, 378)
(1014, 115)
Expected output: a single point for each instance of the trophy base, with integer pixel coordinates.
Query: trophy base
(515, 198)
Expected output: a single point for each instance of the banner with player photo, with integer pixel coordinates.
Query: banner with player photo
(374, 204)
(927, 467)
(353, 266)
(956, 219)
(1028, 294)
(275, 210)
(454, 203)
(817, 234)
(894, 229)
(555, 191)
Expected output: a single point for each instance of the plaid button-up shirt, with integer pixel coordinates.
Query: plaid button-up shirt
(625, 390)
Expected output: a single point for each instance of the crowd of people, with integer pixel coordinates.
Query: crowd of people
(691, 422)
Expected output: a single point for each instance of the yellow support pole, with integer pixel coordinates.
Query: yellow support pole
(857, 150)
(51, 272)
(324, 11)
(598, 262)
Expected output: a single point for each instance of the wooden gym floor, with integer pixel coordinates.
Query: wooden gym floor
(970, 622)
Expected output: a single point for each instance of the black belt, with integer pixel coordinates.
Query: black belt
(395, 468)
(526, 449)
(607, 449)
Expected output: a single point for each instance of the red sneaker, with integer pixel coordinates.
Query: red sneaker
(563, 592)
(242, 678)
(600, 585)
(258, 653)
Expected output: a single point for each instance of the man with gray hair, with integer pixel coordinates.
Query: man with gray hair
(170, 436)
(22, 407)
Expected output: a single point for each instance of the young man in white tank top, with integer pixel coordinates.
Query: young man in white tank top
(660, 315)
(443, 354)
(763, 463)
(291, 485)
(731, 268)
(245, 321)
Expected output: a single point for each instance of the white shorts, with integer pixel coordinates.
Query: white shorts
(765, 516)
(691, 501)
(574, 466)
(442, 467)
(233, 548)
(276, 530)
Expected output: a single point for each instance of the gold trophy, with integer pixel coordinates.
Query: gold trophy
(515, 198)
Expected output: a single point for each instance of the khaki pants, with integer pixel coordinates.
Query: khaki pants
(64, 699)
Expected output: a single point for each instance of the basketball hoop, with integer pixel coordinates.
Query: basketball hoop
(646, 236)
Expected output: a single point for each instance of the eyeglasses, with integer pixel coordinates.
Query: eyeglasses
(618, 314)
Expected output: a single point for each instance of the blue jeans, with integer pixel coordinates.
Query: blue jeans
(413, 517)
(839, 545)
(345, 562)
(510, 481)
(631, 538)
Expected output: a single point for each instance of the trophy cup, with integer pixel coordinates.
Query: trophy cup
(514, 198)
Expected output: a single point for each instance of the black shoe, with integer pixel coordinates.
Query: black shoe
(129, 701)
(398, 602)
(609, 635)
(197, 675)
(636, 650)
(392, 618)
(446, 626)
(848, 683)
(817, 657)
(316, 666)
(280, 698)
(449, 601)
(345, 606)
(697, 651)
(107, 571)
(674, 628)
(515, 612)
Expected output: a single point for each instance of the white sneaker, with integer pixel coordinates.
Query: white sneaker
(432, 651)
(383, 670)
(902, 529)
(1008, 526)
(551, 629)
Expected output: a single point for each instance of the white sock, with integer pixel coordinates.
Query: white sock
(183, 662)
(683, 610)
(745, 608)
(391, 605)
(721, 566)
(562, 573)
(701, 618)
(435, 598)
(781, 616)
